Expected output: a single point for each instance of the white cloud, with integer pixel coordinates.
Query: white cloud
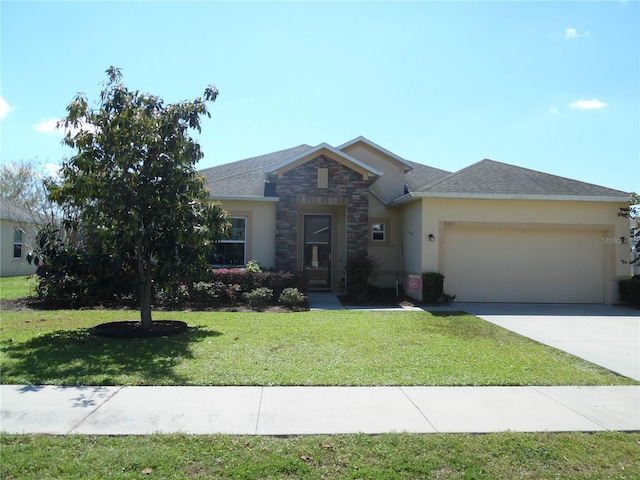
(593, 104)
(51, 126)
(573, 33)
(52, 169)
(4, 107)
(553, 110)
(47, 126)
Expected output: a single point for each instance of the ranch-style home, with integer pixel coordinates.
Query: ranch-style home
(498, 232)
(18, 227)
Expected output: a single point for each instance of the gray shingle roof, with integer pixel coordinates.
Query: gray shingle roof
(491, 177)
(245, 178)
(12, 211)
(422, 175)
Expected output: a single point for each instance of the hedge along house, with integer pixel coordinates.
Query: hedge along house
(499, 233)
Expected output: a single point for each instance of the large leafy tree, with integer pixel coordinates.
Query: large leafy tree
(632, 212)
(132, 182)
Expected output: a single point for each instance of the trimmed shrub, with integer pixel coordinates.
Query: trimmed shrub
(279, 281)
(630, 290)
(209, 294)
(446, 298)
(172, 295)
(276, 281)
(291, 297)
(259, 297)
(73, 276)
(432, 287)
(253, 266)
(360, 270)
(236, 276)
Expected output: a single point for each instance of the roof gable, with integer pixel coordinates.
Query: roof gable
(324, 149)
(489, 177)
(407, 166)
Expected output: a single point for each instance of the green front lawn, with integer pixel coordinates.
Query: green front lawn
(17, 287)
(306, 348)
(537, 456)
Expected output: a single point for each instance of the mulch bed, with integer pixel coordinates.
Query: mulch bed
(134, 329)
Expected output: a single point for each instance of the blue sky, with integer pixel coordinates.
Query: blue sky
(551, 86)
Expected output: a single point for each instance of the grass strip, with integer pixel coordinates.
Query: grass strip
(17, 287)
(358, 348)
(609, 455)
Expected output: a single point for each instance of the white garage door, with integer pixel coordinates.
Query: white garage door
(523, 265)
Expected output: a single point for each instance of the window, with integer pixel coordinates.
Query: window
(17, 243)
(323, 177)
(377, 232)
(230, 251)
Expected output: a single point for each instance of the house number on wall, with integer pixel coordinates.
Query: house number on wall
(449, 224)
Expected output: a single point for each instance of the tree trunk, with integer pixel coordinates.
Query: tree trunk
(144, 279)
(145, 302)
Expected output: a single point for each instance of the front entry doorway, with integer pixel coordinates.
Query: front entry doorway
(317, 251)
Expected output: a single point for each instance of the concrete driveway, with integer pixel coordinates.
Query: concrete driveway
(606, 335)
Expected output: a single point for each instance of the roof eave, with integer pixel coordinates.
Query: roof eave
(242, 198)
(500, 196)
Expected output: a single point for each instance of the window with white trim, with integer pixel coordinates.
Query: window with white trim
(17, 243)
(378, 232)
(231, 250)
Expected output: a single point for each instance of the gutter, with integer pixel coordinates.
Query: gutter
(411, 196)
(240, 198)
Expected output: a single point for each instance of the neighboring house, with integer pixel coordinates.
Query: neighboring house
(498, 232)
(18, 228)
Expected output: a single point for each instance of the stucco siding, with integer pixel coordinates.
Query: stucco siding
(386, 252)
(261, 229)
(417, 259)
(391, 184)
(10, 266)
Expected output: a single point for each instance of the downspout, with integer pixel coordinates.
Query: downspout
(404, 267)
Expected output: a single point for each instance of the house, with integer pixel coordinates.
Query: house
(17, 230)
(498, 232)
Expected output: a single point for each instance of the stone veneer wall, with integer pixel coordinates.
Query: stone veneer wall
(299, 186)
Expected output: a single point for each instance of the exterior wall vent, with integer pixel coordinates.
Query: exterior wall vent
(323, 177)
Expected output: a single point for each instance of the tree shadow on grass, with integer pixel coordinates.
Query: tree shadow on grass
(445, 313)
(466, 327)
(77, 357)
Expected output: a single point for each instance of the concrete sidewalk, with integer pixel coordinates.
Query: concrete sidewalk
(315, 410)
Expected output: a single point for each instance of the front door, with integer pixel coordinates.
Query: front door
(317, 250)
